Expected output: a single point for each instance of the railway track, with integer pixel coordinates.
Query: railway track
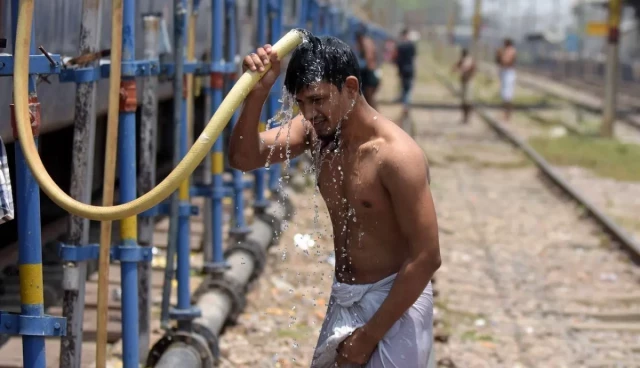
(628, 105)
(524, 284)
(608, 224)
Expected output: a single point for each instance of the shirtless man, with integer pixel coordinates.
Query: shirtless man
(466, 66)
(506, 59)
(369, 75)
(374, 179)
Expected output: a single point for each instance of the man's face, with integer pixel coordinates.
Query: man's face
(325, 107)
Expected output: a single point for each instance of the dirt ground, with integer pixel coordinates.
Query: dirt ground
(526, 280)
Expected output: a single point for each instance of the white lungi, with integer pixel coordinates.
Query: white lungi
(406, 344)
(507, 83)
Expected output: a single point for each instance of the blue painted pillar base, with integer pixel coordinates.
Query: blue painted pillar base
(215, 268)
(185, 314)
(260, 206)
(239, 233)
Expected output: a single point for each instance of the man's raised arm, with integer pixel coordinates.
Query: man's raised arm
(249, 149)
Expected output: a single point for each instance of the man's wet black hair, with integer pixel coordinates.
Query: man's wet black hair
(325, 59)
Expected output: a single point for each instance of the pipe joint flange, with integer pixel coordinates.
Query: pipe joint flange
(193, 339)
(275, 223)
(258, 254)
(232, 288)
(288, 205)
(210, 338)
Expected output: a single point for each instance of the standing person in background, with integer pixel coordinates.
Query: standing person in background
(389, 51)
(506, 60)
(405, 57)
(466, 66)
(369, 74)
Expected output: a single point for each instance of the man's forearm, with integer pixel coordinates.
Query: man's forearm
(410, 282)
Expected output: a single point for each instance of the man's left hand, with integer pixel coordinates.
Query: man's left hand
(356, 349)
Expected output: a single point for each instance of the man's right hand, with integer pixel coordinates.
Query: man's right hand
(257, 62)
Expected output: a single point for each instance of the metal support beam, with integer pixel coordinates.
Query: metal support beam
(612, 69)
(239, 230)
(147, 174)
(127, 174)
(275, 19)
(75, 273)
(31, 323)
(261, 203)
(216, 84)
(184, 313)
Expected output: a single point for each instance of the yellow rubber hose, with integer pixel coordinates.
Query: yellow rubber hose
(163, 190)
(109, 179)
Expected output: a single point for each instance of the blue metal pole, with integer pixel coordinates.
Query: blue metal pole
(182, 275)
(127, 173)
(275, 14)
(304, 14)
(29, 245)
(260, 201)
(217, 158)
(324, 11)
(315, 17)
(184, 312)
(240, 229)
(179, 14)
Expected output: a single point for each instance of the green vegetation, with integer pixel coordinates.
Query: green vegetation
(296, 332)
(605, 157)
(472, 335)
(628, 223)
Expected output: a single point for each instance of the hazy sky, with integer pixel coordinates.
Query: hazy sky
(546, 11)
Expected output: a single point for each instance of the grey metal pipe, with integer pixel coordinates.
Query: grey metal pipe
(216, 305)
(180, 354)
(242, 266)
(75, 273)
(147, 174)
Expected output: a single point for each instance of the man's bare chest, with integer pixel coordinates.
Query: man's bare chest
(352, 187)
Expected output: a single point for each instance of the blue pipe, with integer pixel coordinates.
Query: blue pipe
(315, 16)
(184, 307)
(275, 12)
(240, 228)
(183, 248)
(260, 201)
(326, 19)
(217, 167)
(304, 14)
(29, 245)
(127, 174)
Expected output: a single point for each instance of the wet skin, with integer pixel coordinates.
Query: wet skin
(375, 187)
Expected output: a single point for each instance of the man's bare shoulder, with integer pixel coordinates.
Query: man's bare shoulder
(401, 153)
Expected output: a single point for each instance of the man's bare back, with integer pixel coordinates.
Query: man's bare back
(368, 241)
